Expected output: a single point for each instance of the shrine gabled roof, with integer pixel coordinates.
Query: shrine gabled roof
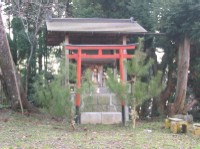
(94, 25)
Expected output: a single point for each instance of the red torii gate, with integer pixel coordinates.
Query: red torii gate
(79, 56)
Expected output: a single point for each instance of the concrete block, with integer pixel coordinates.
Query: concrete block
(111, 117)
(91, 118)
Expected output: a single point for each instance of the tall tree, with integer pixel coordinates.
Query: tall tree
(181, 25)
(28, 43)
(9, 73)
(141, 89)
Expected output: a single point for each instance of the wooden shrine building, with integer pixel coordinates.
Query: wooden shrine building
(94, 41)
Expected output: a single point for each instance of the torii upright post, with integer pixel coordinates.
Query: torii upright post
(121, 67)
(78, 97)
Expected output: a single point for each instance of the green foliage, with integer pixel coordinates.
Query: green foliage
(140, 10)
(143, 12)
(139, 93)
(138, 68)
(53, 95)
(116, 86)
(72, 72)
(134, 66)
(87, 86)
(115, 8)
(19, 44)
(87, 8)
(154, 85)
(139, 65)
(182, 19)
(145, 90)
(194, 77)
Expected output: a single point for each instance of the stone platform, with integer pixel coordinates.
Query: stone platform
(101, 108)
(101, 117)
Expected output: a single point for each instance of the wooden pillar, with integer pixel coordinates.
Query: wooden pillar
(121, 68)
(100, 70)
(124, 42)
(66, 60)
(100, 52)
(78, 97)
(121, 64)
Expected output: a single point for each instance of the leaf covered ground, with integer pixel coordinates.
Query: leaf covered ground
(42, 131)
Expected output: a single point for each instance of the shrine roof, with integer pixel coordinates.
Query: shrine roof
(94, 25)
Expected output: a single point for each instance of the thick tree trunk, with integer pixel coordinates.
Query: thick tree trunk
(166, 93)
(12, 80)
(8, 70)
(182, 79)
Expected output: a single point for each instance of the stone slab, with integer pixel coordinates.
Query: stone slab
(101, 117)
(91, 118)
(126, 113)
(111, 117)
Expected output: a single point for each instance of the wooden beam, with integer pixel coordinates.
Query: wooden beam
(103, 47)
(86, 56)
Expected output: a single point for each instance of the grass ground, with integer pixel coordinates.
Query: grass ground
(41, 131)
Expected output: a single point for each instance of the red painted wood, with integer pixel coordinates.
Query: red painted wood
(78, 99)
(121, 65)
(114, 56)
(121, 69)
(78, 76)
(96, 47)
(100, 52)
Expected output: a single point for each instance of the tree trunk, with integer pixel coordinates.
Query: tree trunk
(134, 116)
(190, 105)
(182, 79)
(166, 93)
(40, 63)
(9, 73)
(8, 69)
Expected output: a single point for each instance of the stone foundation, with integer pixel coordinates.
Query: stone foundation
(101, 109)
(101, 117)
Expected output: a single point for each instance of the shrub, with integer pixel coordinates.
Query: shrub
(54, 95)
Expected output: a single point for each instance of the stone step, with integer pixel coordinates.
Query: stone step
(101, 108)
(103, 90)
(101, 117)
(100, 99)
